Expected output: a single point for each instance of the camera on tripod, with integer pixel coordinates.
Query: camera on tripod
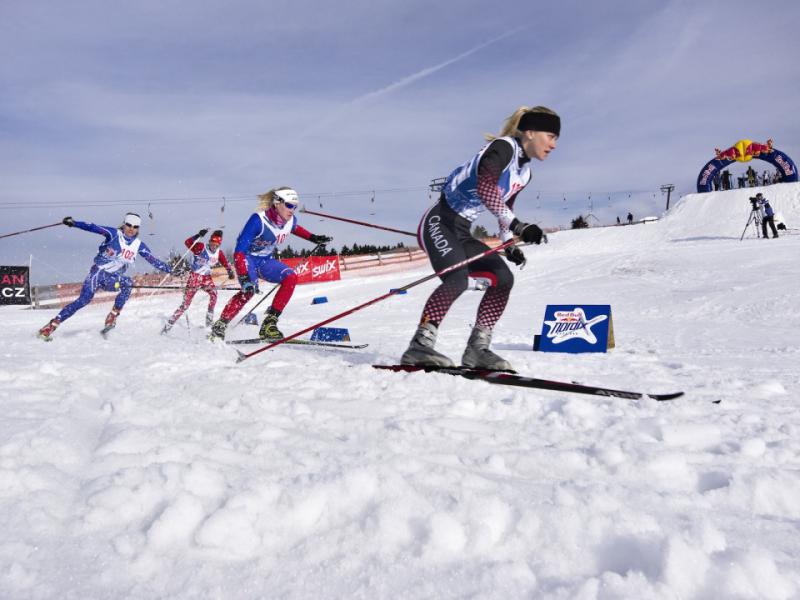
(755, 202)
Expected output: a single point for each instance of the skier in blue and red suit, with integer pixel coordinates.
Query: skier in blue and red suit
(114, 256)
(252, 257)
(490, 180)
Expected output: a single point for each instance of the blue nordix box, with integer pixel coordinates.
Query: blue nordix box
(330, 334)
(576, 328)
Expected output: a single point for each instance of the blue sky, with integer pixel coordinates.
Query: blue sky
(110, 106)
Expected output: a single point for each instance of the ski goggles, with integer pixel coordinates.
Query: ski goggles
(131, 225)
(291, 204)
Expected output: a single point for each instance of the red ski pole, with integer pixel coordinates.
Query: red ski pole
(29, 230)
(364, 223)
(455, 267)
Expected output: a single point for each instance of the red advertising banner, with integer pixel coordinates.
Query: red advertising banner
(318, 268)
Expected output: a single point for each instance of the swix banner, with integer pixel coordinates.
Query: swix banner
(15, 285)
(315, 269)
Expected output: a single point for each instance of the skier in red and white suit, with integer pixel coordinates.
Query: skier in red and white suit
(205, 258)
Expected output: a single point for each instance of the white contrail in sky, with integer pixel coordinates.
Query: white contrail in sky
(406, 81)
(429, 71)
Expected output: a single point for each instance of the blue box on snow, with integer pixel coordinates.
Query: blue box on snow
(250, 319)
(319, 300)
(330, 334)
(576, 328)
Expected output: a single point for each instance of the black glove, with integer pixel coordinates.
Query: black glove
(516, 256)
(528, 232)
(68, 221)
(202, 233)
(248, 286)
(230, 274)
(320, 239)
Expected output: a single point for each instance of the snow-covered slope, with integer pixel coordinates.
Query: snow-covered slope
(148, 466)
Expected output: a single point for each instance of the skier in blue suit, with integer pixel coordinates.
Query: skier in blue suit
(117, 252)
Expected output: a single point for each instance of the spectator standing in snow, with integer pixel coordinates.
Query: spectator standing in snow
(726, 180)
(263, 232)
(630, 218)
(751, 176)
(118, 252)
(205, 259)
(491, 180)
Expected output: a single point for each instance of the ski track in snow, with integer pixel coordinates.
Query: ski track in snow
(150, 466)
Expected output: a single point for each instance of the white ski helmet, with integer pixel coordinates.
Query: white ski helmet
(287, 196)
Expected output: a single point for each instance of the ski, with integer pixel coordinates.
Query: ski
(513, 379)
(301, 343)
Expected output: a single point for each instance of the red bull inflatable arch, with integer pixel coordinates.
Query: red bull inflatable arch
(743, 151)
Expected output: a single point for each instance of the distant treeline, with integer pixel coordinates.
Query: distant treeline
(290, 252)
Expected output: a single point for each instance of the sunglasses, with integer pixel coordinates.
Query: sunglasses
(290, 204)
(131, 226)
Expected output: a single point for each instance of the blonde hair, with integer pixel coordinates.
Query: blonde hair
(267, 199)
(510, 127)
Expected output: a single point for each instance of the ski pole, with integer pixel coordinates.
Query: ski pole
(455, 267)
(277, 285)
(172, 287)
(365, 224)
(168, 275)
(29, 230)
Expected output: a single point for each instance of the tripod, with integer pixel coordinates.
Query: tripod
(755, 219)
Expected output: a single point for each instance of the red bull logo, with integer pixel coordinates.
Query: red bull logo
(731, 153)
(709, 171)
(785, 165)
(744, 150)
(755, 149)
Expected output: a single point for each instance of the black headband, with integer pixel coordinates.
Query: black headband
(537, 121)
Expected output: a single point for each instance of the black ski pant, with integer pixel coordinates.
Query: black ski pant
(446, 239)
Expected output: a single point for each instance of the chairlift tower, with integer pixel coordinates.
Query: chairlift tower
(437, 184)
(591, 213)
(667, 188)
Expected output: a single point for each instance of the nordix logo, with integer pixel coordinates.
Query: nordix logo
(570, 324)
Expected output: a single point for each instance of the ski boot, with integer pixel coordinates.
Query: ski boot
(420, 351)
(269, 327)
(210, 318)
(46, 332)
(111, 320)
(478, 356)
(218, 330)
